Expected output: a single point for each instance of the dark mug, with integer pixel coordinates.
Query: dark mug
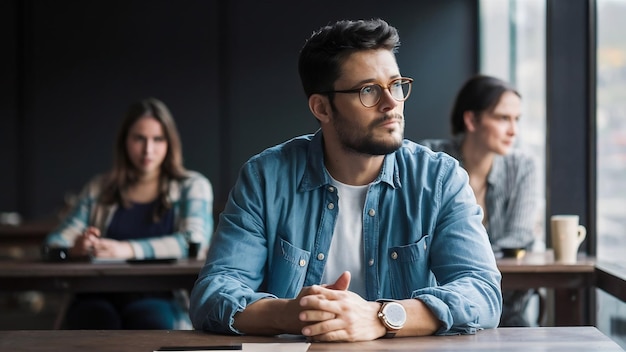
(194, 249)
(55, 254)
(517, 253)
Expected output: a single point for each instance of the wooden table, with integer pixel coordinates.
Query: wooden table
(611, 278)
(71, 277)
(23, 241)
(571, 283)
(31, 233)
(21, 275)
(534, 270)
(565, 339)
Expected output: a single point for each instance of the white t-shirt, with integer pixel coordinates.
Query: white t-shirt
(346, 247)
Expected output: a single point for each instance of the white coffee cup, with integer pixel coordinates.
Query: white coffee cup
(567, 235)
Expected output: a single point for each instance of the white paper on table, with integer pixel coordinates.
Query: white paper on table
(276, 347)
(253, 347)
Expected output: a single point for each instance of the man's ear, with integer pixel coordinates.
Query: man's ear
(320, 107)
(471, 121)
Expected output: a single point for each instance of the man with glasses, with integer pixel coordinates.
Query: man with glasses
(352, 233)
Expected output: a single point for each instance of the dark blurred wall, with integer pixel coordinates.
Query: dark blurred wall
(226, 69)
(8, 106)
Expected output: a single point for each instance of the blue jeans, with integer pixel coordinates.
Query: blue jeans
(120, 311)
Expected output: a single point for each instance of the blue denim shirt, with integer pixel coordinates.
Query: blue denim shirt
(422, 237)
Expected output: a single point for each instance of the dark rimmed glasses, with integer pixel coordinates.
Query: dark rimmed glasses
(370, 94)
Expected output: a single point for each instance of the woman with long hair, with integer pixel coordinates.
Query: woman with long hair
(147, 206)
(484, 123)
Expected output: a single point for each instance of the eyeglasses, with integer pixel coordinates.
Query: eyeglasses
(370, 94)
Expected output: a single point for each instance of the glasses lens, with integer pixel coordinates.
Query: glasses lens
(400, 89)
(370, 95)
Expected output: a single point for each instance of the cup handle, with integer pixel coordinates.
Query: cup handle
(582, 233)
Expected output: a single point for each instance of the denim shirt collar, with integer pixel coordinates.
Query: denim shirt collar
(316, 175)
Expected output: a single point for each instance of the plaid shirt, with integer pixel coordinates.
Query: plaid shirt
(511, 197)
(192, 203)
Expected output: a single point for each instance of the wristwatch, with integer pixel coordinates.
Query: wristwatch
(393, 316)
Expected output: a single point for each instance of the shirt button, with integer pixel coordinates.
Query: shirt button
(302, 262)
(370, 262)
(424, 246)
(372, 212)
(331, 189)
(394, 255)
(320, 256)
(331, 206)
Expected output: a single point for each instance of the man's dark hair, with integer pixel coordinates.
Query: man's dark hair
(324, 52)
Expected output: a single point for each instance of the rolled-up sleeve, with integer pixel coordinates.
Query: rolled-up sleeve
(468, 296)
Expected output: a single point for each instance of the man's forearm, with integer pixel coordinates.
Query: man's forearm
(268, 316)
(420, 319)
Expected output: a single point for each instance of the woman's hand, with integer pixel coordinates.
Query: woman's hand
(91, 243)
(108, 248)
(85, 243)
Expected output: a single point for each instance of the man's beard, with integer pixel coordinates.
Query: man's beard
(361, 140)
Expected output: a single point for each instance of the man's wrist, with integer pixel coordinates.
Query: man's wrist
(268, 315)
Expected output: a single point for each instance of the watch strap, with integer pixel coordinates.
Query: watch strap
(390, 334)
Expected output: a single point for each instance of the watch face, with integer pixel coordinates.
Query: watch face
(395, 314)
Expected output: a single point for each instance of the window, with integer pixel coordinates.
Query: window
(611, 129)
(611, 154)
(513, 48)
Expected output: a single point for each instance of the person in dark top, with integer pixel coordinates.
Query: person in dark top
(147, 206)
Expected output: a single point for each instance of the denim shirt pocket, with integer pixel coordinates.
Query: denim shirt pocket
(288, 270)
(409, 269)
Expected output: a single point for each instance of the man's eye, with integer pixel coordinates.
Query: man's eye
(367, 90)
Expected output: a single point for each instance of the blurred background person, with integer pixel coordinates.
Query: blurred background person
(147, 206)
(484, 127)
